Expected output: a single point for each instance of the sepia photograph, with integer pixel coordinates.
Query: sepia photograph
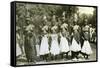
(55, 33)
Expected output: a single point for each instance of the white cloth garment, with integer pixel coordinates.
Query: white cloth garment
(44, 47)
(37, 49)
(64, 47)
(86, 48)
(55, 50)
(64, 25)
(18, 50)
(75, 46)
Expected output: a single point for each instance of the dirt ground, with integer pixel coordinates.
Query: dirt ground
(92, 57)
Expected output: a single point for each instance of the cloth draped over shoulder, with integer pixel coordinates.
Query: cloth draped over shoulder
(76, 34)
(86, 32)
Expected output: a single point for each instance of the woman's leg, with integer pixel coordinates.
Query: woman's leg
(56, 57)
(87, 56)
(42, 57)
(46, 57)
(77, 53)
(67, 55)
(62, 55)
(73, 54)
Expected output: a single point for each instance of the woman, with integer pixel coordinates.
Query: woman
(19, 43)
(86, 49)
(54, 49)
(76, 46)
(30, 43)
(44, 46)
(37, 45)
(64, 46)
(18, 49)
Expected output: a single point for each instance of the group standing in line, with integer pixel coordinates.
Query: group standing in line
(56, 40)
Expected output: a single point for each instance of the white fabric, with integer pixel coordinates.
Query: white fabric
(30, 27)
(87, 27)
(44, 47)
(75, 27)
(64, 47)
(37, 49)
(91, 32)
(45, 27)
(54, 28)
(64, 25)
(86, 48)
(75, 46)
(18, 50)
(54, 45)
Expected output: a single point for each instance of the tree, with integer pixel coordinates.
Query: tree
(34, 13)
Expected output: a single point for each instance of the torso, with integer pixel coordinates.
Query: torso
(86, 32)
(76, 34)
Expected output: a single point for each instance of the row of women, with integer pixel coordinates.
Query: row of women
(56, 44)
(64, 46)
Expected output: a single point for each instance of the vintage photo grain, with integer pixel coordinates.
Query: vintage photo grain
(55, 33)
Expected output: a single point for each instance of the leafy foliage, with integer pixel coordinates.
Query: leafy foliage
(34, 13)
